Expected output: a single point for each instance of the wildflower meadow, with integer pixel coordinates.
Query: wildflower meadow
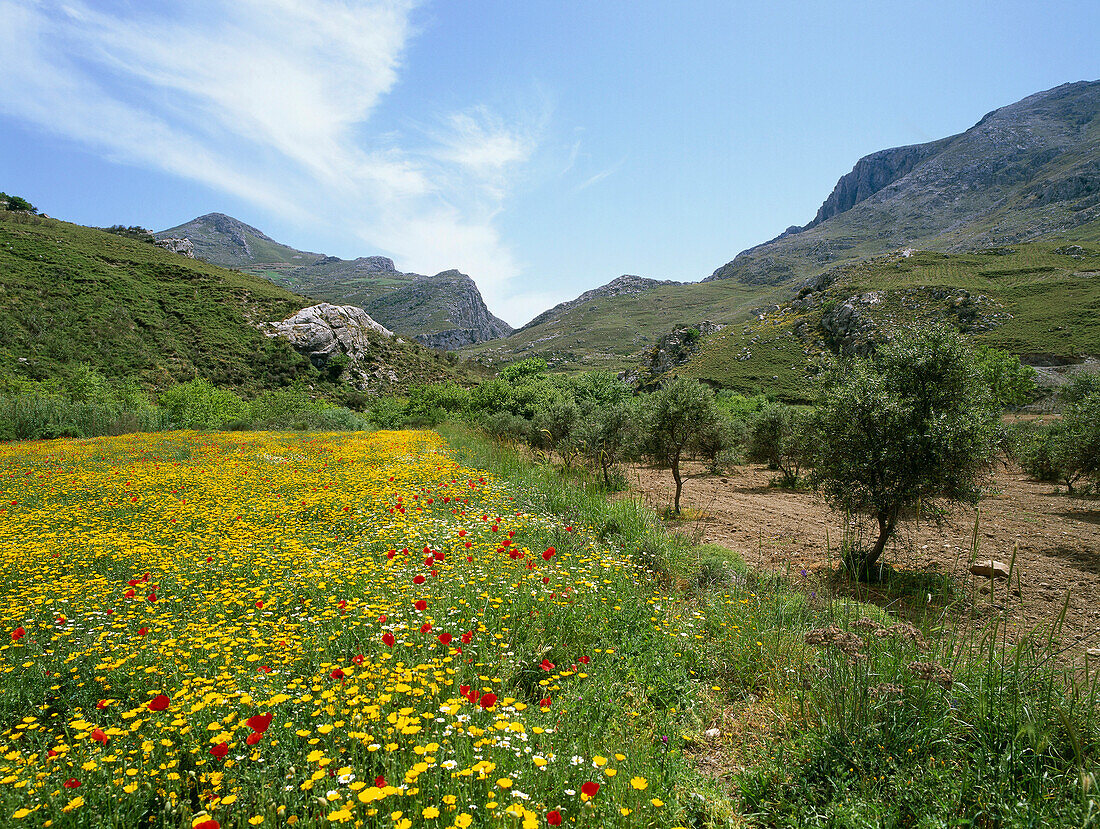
(272, 629)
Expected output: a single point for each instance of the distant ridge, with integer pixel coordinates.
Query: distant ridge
(443, 311)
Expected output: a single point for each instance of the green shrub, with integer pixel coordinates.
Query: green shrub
(782, 437)
(200, 405)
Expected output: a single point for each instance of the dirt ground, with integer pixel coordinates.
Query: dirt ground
(1056, 539)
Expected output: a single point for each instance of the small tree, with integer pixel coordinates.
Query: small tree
(912, 423)
(779, 435)
(1081, 426)
(673, 418)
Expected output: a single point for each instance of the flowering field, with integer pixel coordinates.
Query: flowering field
(271, 629)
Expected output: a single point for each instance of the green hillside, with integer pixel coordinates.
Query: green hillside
(613, 332)
(73, 295)
(1039, 300)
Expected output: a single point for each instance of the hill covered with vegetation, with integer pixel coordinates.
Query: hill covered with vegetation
(74, 296)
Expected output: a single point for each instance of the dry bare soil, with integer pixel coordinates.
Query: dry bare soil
(1056, 540)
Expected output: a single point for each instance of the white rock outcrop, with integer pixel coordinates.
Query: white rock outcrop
(324, 331)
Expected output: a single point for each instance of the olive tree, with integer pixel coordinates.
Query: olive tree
(912, 423)
(673, 418)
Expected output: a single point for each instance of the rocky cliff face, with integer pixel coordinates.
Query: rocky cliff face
(1023, 171)
(870, 175)
(620, 286)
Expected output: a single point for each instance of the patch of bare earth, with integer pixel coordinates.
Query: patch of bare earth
(1056, 540)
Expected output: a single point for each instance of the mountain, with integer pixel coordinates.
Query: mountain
(75, 295)
(442, 311)
(1027, 171)
(1022, 172)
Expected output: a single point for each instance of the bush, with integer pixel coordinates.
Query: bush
(781, 436)
(200, 405)
(915, 422)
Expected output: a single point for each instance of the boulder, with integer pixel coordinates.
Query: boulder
(322, 332)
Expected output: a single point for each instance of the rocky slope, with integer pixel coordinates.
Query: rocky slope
(442, 311)
(1022, 172)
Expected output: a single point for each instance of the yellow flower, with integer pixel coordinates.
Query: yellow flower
(340, 816)
(598, 761)
(624, 811)
(256, 820)
(75, 803)
(657, 802)
(463, 821)
(505, 782)
(639, 783)
(430, 812)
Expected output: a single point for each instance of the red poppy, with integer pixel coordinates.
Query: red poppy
(467, 637)
(101, 704)
(427, 626)
(159, 702)
(259, 722)
(380, 781)
(391, 553)
(545, 579)
(382, 619)
(544, 703)
(445, 638)
(553, 817)
(220, 750)
(388, 640)
(422, 604)
(461, 533)
(549, 554)
(100, 737)
(18, 634)
(152, 597)
(263, 669)
(260, 604)
(71, 783)
(337, 673)
(254, 738)
(133, 582)
(207, 824)
(358, 659)
(488, 700)
(546, 665)
(142, 631)
(209, 559)
(585, 659)
(590, 789)
(342, 603)
(129, 594)
(419, 580)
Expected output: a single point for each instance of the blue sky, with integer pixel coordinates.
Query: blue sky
(544, 148)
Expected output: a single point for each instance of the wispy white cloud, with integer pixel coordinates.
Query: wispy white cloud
(600, 176)
(271, 101)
